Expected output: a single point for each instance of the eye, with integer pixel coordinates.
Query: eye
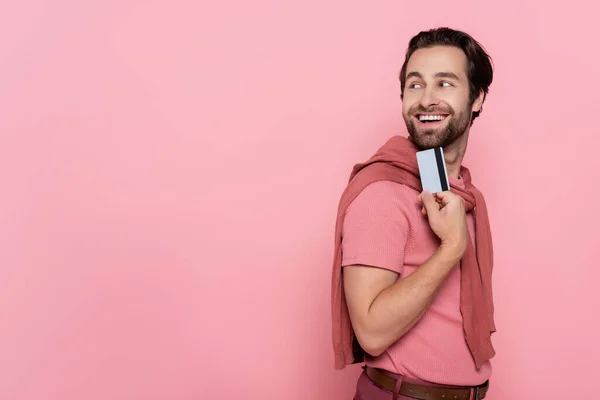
(445, 84)
(415, 86)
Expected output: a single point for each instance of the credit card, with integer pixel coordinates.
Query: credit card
(432, 168)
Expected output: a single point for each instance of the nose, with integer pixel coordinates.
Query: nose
(429, 97)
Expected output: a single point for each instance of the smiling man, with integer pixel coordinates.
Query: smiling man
(411, 282)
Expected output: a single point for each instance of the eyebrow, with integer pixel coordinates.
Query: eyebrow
(449, 75)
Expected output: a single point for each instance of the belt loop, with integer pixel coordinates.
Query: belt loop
(397, 387)
(476, 395)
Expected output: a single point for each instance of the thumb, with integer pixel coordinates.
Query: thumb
(431, 205)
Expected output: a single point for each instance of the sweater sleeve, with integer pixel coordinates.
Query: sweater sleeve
(376, 228)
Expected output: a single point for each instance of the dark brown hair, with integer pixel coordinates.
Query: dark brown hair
(479, 64)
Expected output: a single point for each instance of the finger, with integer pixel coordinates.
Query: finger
(445, 197)
(420, 200)
(429, 202)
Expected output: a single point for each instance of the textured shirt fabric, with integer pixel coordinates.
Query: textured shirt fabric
(383, 227)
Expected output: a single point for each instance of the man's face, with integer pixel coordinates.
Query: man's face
(436, 106)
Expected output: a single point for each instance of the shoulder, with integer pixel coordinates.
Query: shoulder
(379, 225)
(386, 197)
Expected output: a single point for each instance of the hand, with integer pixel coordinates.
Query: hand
(447, 218)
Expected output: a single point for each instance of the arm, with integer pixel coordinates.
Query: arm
(383, 308)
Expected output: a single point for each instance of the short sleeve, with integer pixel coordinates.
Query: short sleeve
(376, 227)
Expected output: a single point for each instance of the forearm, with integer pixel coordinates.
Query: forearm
(399, 307)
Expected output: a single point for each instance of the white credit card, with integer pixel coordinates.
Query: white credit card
(432, 168)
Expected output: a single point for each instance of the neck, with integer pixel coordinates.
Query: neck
(454, 154)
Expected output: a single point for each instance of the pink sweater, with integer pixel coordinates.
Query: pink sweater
(383, 227)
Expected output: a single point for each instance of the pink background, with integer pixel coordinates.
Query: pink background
(171, 171)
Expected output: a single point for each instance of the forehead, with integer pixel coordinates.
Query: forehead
(432, 60)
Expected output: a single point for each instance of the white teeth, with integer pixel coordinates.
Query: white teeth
(430, 117)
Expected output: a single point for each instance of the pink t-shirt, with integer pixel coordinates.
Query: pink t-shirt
(384, 227)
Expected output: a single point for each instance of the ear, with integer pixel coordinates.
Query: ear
(478, 103)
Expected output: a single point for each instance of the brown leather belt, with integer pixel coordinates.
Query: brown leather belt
(426, 392)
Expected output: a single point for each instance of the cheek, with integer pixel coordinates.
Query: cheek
(408, 101)
(406, 106)
(458, 101)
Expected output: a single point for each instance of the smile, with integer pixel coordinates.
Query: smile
(429, 118)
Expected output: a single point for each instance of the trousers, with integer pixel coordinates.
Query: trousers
(367, 390)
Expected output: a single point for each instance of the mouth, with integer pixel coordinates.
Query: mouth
(430, 120)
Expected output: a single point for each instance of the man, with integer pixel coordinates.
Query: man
(412, 270)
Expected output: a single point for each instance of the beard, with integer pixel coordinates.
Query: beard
(424, 138)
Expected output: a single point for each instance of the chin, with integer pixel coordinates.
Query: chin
(426, 142)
